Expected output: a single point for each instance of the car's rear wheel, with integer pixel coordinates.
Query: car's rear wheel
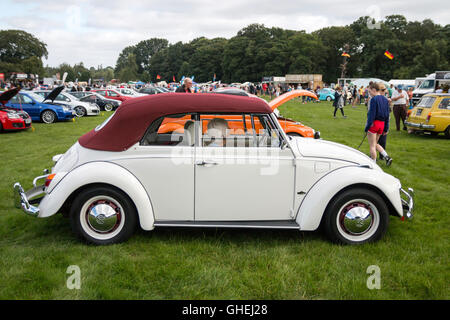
(328, 99)
(80, 111)
(109, 107)
(447, 132)
(356, 216)
(48, 116)
(103, 215)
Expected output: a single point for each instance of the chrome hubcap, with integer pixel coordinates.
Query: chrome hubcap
(356, 218)
(103, 216)
(48, 117)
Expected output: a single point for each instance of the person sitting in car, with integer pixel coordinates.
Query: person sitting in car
(217, 132)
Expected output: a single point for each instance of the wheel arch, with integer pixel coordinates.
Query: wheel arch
(311, 211)
(92, 174)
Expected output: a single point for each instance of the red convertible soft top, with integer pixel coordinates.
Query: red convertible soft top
(134, 116)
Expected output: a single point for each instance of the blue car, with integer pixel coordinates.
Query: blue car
(326, 94)
(34, 105)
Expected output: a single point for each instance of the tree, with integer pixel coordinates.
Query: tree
(129, 71)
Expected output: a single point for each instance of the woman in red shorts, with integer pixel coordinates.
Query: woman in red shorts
(377, 121)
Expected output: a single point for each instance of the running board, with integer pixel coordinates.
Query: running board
(274, 224)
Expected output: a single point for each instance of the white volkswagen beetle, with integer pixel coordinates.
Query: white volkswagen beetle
(211, 160)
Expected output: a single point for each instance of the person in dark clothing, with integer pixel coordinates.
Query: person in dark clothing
(377, 121)
(338, 102)
(186, 87)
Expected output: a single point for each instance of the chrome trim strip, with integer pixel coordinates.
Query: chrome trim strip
(231, 225)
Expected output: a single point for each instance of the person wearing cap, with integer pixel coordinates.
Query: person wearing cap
(400, 100)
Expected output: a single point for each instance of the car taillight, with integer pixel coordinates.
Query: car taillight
(49, 179)
(428, 117)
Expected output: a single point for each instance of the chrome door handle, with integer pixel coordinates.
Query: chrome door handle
(206, 163)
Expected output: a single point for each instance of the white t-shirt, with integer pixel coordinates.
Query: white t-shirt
(402, 100)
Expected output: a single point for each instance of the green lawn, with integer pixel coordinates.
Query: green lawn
(230, 264)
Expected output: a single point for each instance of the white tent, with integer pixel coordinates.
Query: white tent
(364, 82)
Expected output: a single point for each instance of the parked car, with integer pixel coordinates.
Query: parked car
(291, 127)
(81, 108)
(431, 114)
(130, 92)
(125, 173)
(12, 119)
(111, 94)
(326, 94)
(34, 105)
(150, 90)
(102, 102)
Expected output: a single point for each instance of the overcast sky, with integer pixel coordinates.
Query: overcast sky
(96, 31)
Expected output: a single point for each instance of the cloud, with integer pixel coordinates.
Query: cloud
(95, 32)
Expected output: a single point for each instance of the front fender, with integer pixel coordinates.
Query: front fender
(312, 208)
(100, 172)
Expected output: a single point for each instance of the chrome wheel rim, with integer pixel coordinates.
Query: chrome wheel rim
(358, 220)
(79, 111)
(102, 217)
(108, 107)
(48, 117)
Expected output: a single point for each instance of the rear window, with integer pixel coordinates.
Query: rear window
(426, 102)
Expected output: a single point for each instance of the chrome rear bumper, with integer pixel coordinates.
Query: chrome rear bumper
(408, 203)
(23, 200)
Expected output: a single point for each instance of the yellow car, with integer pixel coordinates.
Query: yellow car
(431, 114)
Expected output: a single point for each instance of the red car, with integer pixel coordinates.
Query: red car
(111, 94)
(12, 119)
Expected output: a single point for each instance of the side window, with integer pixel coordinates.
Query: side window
(26, 99)
(15, 99)
(172, 130)
(102, 93)
(112, 94)
(444, 104)
(243, 130)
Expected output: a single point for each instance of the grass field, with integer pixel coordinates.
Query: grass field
(230, 264)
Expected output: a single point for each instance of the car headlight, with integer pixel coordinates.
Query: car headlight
(13, 116)
(66, 109)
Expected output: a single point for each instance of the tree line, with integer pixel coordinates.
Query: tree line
(256, 51)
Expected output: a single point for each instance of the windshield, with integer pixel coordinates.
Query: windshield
(427, 84)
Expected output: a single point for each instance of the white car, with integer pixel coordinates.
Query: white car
(211, 160)
(129, 92)
(81, 108)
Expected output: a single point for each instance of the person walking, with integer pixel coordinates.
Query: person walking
(338, 102)
(399, 99)
(377, 121)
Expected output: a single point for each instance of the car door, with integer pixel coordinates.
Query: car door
(29, 106)
(243, 174)
(164, 163)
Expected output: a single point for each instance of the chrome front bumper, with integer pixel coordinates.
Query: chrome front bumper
(25, 200)
(408, 203)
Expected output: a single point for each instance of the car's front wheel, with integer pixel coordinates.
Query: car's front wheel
(328, 98)
(103, 215)
(48, 116)
(80, 111)
(109, 107)
(356, 216)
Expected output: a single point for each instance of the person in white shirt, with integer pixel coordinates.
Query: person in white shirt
(400, 100)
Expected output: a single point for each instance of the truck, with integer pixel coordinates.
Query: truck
(430, 84)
